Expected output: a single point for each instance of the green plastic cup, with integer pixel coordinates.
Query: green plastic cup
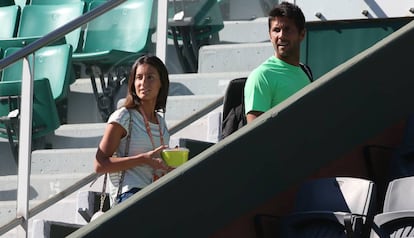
(175, 157)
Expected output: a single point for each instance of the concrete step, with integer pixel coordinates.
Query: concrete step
(178, 108)
(181, 107)
(228, 58)
(67, 205)
(245, 31)
(42, 186)
(80, 135)
(88, 135)
(202, 83)
(63, 161)
(64, 212)
(189, 94)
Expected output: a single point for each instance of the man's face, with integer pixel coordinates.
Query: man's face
(286, 39)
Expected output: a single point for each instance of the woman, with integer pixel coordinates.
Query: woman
(147, 95)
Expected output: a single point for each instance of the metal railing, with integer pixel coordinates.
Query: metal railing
(22, 212)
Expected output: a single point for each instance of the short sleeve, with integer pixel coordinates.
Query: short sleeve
(121, 117)
(256, 93)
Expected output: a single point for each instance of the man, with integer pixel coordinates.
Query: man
(280, 76)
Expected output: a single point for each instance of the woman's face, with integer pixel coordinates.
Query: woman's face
(147, 82)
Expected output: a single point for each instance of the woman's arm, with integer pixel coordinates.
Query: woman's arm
(106, 163)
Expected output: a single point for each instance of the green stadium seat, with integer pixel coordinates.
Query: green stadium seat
(51, 2)
(52, 62)
(118, 35)
(45, 117)
(6, 3)
(9, 16)
(57, 2)
(21, 3)
(39, 20)
(194, 23)
(112, 42)
(24, 41)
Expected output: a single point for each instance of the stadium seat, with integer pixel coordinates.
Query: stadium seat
(112, 42)
(45, 117)
(332, 207)
(194, 23)
(39, 20)
(233, 107)
(52, 62)
(51, 2)
(9, 16)
(58, 2)
(6, 3)
(398, 161)
(397, 217)
(24, 41)
(21, 3)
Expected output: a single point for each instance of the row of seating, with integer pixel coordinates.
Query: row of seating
(23, 3)
(104, 42)
(380, 206)
(25, 24)
(34, 21)
(107, 42)
(343, 206)
(346, 207)
(104, 48)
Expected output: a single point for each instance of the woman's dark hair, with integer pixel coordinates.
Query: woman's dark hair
(289, 10)
(132, 100)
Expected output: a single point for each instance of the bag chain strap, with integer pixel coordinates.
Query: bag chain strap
(103, 194)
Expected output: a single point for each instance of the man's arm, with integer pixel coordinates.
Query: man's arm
(250, 116)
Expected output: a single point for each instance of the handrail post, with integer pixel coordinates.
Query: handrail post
(162, 29)
(25, 145)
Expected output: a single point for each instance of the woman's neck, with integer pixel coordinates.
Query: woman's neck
(149, 113)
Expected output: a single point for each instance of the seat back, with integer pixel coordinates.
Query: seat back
(400, 195)
(331, 206)
(48, 2)
(39, 20)
(45, 117)
(233, 107)
(341, 194)
(21, 3)
(397, 217)
(6, 3)
(195, 146)
(125, 28)
(51, 62)
(9, 16)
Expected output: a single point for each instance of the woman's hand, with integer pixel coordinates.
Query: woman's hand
(155, 160)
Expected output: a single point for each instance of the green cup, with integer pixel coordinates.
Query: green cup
(175, 157)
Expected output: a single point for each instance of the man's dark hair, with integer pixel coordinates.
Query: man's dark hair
(289, 10)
